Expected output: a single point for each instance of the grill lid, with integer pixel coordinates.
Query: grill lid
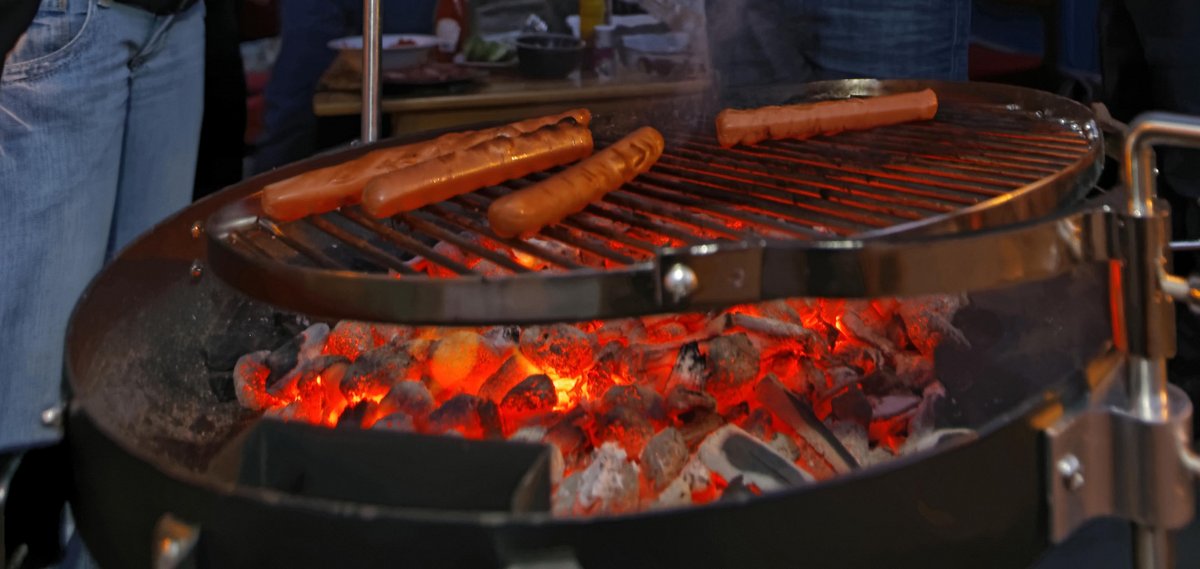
(711, 219)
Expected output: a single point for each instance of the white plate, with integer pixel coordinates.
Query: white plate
(395, 55)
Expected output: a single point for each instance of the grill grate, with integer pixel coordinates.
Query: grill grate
(844, 185)
(993, 155)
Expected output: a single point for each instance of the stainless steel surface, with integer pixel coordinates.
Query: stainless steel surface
(995, 155)
(370, 71)
(1153, 548)
(1147, 311)
(1127, 466)
(680, 282)
(1146, 132)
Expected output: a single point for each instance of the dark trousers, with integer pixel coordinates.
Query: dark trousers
(222, 134)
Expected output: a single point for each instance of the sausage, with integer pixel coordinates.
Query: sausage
(329, 188)
(529, 209)
(487, 163)
(827, 117)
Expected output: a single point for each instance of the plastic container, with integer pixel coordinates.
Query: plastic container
(604, 56)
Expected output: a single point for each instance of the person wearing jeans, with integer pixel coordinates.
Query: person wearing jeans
(762, 42)
(100, 107)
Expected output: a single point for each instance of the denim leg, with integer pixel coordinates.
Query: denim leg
(62, 109)
(162, 129)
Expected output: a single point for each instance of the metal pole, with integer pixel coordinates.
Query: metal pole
(370, 72)
(1152, 545)
(1148, 369)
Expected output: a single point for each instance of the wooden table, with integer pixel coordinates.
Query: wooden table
(507, 97)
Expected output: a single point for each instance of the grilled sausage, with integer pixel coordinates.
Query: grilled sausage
(529, 209)
(482, 165)
(329, 188)
(827, 117)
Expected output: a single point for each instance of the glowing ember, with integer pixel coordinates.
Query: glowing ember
(666, 404)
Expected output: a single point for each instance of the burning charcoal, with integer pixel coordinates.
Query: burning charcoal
(533, 396)
(530, 434)
(503, 335)
(890, 406)
(731, 452)
(736, 413)
(318, 387)
(925, 418)
(626, 331)
(399, 422)
(490, 269)
(814, 342)
(758, 424)
(349, 339)
(697, 424)
(641, 399)
(590, 388)
(858, 354)
(570, 439)
(468, 415)
(514, 370)
(676, 494)
(739, 490)
(625, 426)
(356, 415)
(408, 397)
(862, 322)
(372, 375)
(928, 321)
(296, 352)
(785, 447)
(796, 414)
(649, 364)
(250, 381)
(853, 406)
(853, 438)
(667, 332)
(664, 458)
(690, 369)
(609, 485)
(683, 400)
(696, 475)
(913, 370)
(560, 348)
(732, 363)
(461, 361)
(567, 495)
(840, 378)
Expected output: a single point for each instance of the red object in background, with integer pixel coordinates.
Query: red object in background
(451, 25)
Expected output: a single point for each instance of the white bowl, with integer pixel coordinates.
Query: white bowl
(399, 50)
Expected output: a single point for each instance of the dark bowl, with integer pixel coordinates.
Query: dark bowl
(549, 56)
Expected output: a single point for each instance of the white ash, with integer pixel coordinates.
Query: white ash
(697, 476)
(853, 437)
(610, 483)
(713, 452)
(890, 406)
(249, 377)
(677, 494)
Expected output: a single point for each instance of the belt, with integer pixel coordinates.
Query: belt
(160, 7)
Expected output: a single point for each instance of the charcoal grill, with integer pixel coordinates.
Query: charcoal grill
(149, 442)
(994, 155)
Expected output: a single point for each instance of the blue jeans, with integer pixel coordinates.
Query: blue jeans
(306, 27)
(758, 42)
(100, 107)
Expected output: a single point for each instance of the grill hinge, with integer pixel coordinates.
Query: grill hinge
(1104, 461)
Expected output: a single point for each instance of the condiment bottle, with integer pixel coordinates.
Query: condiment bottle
(591, 14)
(604, 57)
(450, 25)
